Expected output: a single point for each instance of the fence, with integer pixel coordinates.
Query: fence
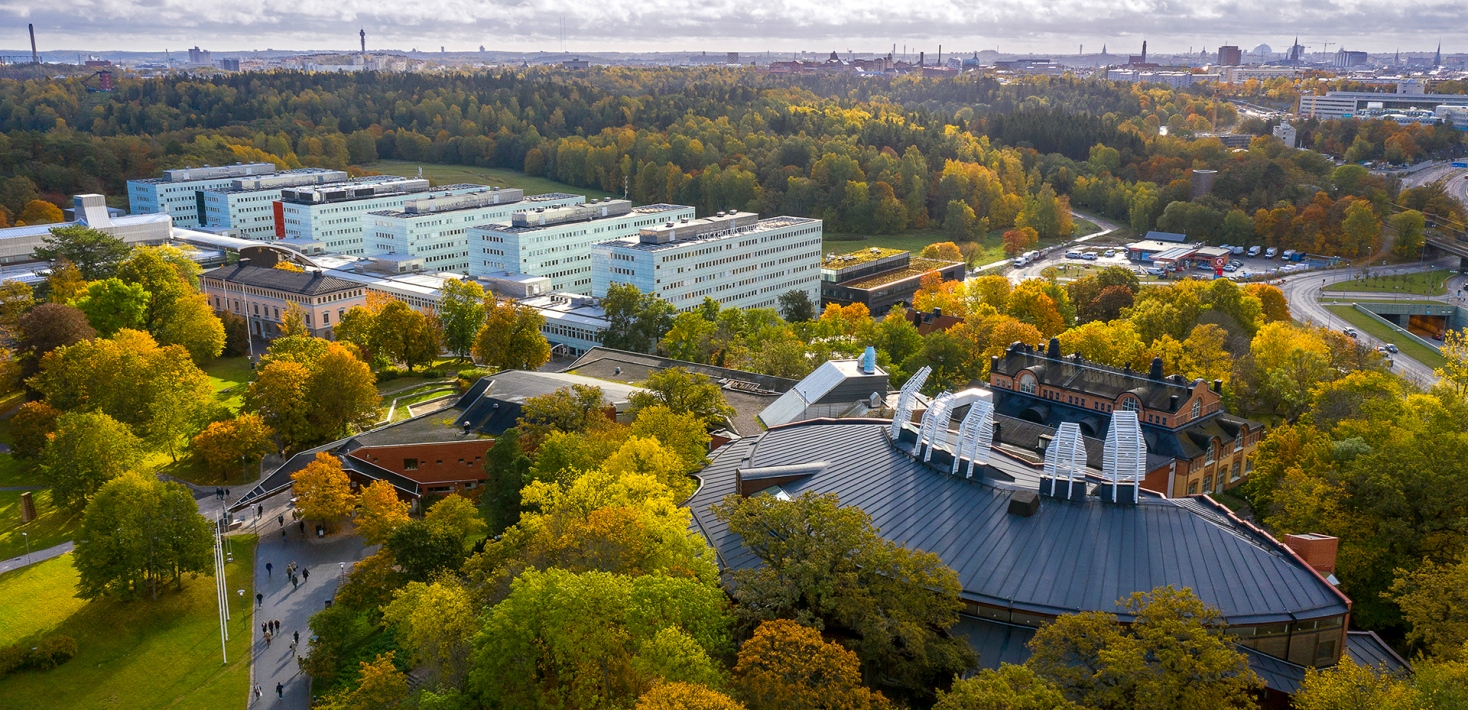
(1435, 348)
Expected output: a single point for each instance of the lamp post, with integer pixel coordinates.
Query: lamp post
(27, 547)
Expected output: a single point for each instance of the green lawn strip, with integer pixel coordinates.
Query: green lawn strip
(991, 244)
(38, 598)
(1393, 302)
(229, 375)
(1375, 329)
(16, 471)
(53, 525)
(1425, 283)
(426, 395)
(137, 654)
(442, 174)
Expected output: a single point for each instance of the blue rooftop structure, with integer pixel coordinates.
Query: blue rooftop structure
(1018, 571)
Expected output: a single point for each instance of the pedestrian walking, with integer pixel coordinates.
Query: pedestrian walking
(296, 636)
(281, 518)
(260, 511)
(293, 581)
(280, 690)
(267, 639)
(258, 691)
(305, 575)
(343, 567)
(293, 648)
(303, 528)
(259, 600)
(265, 627)
(269, 570)
(282, 537)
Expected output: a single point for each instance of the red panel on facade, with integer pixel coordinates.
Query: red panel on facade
(279, 219)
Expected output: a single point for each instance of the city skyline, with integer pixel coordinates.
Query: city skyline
(619, 25)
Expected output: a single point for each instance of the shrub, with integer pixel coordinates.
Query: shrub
(51, 652)
(11, 659)
(388, 374)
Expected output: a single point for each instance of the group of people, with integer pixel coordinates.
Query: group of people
(279, 691)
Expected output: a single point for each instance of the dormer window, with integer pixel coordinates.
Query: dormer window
(1027, 383)
(1130, 405)
(1197, 408)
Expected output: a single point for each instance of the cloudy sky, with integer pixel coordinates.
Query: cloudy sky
(1053, 26)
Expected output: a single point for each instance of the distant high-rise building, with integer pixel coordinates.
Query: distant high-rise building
(199, 56)
(733, 58)
(1347, 59)
(1230, 56)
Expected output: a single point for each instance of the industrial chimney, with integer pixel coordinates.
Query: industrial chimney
(35, 58)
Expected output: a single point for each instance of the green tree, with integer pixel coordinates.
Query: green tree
(1434, 601)
(826, 566)
(88, 450)
(684, 392)
(576, 409)
(1008, 688)
(589, 640)
(636, 321)
(691, 338)
(1173, 655)
(796, 307)
(461, 312)
(422, 552)
(96, 254)
(31, 427)
(380, 686)
(1408, 226)
(959, 222)
(511, 337)
(1361, 228)
(506, 469)
(137, 535)
(437, 622)
(113, 304)
(190, 323)
(405, 335)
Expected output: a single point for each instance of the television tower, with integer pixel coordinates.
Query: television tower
(362, 33)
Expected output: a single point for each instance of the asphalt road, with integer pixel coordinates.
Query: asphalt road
(1303, 291)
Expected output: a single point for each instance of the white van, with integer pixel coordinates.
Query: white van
(1253, 251)
(1019, 261)
(1031, 257)
(1270, 252)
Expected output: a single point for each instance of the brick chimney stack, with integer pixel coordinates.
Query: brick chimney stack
(1317, 550)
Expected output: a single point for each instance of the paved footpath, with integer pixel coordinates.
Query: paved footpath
(291, 605)
(35, 556)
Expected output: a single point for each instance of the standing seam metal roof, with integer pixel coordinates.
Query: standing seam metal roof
(1068, 557)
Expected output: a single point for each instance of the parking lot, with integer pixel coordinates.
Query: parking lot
(1245, 266)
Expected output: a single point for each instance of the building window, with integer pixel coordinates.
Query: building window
(1027, 383)
(1239, 441)
(1207, 483)
(1197, 408)
(1212, 452)
(1233, 474)
(1129, 405)
(1193, 488)
(410, 464)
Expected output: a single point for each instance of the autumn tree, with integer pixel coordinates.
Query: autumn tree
(190, 323)
(278, 394)
(437, 623)
(684, 392)
(309, 389)
(38, 212)
(96, 254)
(380, 512)
(1274, 306)
(1174, 654)
(1020, 240)
(944, 251)
(380, 686)
(224, 445)
(31, 427)
(65, 282)
(575, 409)
(825, 565)
(636, 321)
(322, 489)
(1453, 375)
(685, 696)
(960, 223)
(88, 450)
(113, 304)
(511, 337)
(138, 534)
(461, 313)
(787, 665)
(506, 467)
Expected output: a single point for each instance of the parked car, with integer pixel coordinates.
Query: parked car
(1089, 256)
(1072, 255)
(1155, 271)
(1236, 262)
(1270, 253)
(1253, 251)
(1391, 348)
(1231, 268)
(1019, 261)
(1350, 331)
(1109, 253)
(1237, 251)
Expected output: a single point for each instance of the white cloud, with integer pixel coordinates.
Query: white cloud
(719, 25)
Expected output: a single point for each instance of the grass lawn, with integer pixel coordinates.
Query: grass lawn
(19, 472)
(1426, 283)
(135, 654)
(440, 174)
(1411, 348)
(53, 525)
(1397, 302)
(992, 244)
(229, 375)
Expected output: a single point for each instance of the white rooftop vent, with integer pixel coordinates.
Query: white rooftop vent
(975, 436)
(934, 428)
(906, 399)
(1124, 462)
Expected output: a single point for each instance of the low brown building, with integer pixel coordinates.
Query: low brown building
(880, 278)
(436, 468)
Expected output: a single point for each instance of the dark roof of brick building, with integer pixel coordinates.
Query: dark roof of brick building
(305, 283)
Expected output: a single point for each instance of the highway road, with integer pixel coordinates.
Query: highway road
(1303, 292)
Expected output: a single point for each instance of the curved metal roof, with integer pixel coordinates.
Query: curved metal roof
(1068, 557)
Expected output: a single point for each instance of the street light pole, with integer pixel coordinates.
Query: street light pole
(27, 547)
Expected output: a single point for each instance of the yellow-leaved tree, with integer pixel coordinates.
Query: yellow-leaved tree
(380, 513)
(323, 491)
